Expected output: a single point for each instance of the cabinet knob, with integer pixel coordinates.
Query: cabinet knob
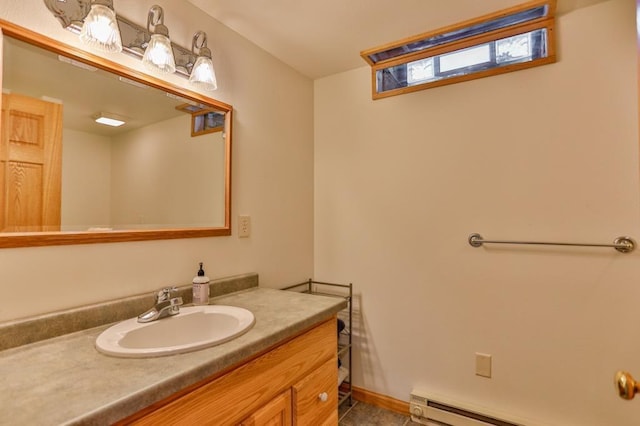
(323, 397)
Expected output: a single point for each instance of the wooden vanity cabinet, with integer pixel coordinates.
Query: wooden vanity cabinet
(275, 413)
(316, 396)
(292, 384)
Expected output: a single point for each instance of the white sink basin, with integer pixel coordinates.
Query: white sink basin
(195, 327)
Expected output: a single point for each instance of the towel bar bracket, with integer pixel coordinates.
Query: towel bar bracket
(622, 244)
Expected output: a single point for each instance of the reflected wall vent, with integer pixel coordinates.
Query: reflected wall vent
(433, 410)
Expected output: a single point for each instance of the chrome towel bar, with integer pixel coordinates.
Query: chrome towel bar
(622, 244)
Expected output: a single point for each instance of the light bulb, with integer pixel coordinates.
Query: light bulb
(159, 54)
(100, 29)
(203, 74)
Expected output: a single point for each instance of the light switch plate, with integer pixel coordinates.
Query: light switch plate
(483, 365)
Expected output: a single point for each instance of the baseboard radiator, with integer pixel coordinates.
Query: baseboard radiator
(437, 411)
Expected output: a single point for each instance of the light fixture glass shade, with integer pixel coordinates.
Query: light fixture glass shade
(100, 29)
(159, 54)
(203, 74)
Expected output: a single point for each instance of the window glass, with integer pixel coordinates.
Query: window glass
(507, 40)
(419, 71)
(465, 58)
(526, 47)
(461, 33)
(514, 48)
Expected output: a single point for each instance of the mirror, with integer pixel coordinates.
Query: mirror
(165, 173)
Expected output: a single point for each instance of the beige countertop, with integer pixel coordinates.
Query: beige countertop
(65, 380)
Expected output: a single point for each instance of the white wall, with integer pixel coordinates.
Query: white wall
(86, 180)
(157, 176)
(272, 181)
(549, 153)
(163, 176)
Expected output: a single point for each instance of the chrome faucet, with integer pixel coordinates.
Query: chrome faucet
(165, 306)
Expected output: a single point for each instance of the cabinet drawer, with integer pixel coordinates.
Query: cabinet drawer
(309, 408)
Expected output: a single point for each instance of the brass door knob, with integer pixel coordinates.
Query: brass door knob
(626, 385)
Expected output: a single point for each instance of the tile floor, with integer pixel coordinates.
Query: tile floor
(362, 414)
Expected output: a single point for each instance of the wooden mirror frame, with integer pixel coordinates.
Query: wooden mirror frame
(32, 239)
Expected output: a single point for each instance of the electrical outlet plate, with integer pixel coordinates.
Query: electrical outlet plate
(244, 226)
(483, 365)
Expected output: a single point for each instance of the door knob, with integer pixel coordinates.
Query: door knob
(626, 385)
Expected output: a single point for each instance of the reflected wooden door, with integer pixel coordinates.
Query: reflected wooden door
(30, 164)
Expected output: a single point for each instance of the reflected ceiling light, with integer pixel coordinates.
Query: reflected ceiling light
(100, 28)
(52, 100)
(109, 119)
(203, 74)
(178, 98)
(133, 82)
(77, 63)
(159, 54)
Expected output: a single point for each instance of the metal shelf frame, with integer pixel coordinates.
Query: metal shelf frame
(345, 345)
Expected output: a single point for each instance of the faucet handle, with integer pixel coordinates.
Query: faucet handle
(165, 294)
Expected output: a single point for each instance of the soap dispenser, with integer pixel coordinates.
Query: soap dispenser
(201, 288)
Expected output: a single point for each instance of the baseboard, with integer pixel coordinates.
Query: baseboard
(381, 401)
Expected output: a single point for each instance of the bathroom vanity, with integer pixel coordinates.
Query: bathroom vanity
(282, 371)
(297, 380)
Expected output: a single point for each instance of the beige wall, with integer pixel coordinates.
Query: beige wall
(272, 182)
(186, 173)
(156, 176)
(86, 180)
(549, 153)
(544, 154)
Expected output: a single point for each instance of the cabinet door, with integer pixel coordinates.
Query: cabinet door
(276, 413)
(228, 399)
(315, 398)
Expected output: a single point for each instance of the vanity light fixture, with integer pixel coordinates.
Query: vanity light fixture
(109, 119)
(203, 74)
(155, 48)
(100, 28)
(159, 55)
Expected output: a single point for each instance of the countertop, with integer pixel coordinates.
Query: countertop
(65, 380)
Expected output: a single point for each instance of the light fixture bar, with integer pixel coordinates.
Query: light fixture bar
(135, 38)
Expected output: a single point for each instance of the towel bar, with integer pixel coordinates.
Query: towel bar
(622, 244)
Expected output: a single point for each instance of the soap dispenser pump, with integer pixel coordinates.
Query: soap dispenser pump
(201, 288)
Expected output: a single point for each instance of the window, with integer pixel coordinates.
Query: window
(203, 119)
(504, 41)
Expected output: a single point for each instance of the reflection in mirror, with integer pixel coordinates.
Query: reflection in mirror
(69, 179)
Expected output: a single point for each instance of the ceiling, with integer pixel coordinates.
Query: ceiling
(35, 72)
(316, 38)
(326, 37)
